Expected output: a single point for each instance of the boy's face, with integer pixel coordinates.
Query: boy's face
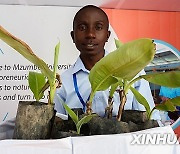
(90, 31)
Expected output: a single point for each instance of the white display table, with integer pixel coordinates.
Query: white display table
(99, 144)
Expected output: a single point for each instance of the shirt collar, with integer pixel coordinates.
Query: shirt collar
(78, 65)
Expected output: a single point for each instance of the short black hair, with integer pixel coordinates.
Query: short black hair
(90, 6)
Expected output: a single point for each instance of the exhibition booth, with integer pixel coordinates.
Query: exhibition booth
(42, 24)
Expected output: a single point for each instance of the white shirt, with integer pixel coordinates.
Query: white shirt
(68, 95)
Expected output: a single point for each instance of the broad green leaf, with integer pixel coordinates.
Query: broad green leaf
(36, 83)
(71, 113)
(140, 98)
(25, 51)
(125, 62)
(168, 79)
(84, 120)
(175, 101)
(105, 83)
(114, 87)
(53, 81)
(166, 106)
(56, 57)
(118, 43)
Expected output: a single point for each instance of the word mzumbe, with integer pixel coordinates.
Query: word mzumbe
(155, 139)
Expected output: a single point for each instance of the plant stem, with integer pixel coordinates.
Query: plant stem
(49, 100)
(109, 108)
(150, 114)
(88, 110)
(127, 86)
(121, 106)
(89, 104)
(58, 78)
(78, 130)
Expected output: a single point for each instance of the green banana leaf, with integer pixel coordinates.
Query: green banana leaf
(167, 79)
(71, 113)
(53, 81)
(115, 86)
(125, 62)
(169, 105)
(36, 83)
(75, 118)
(56, 57)
(118, 44)
(175, 101)
(140, 98)
(25, 51)
(84, 120)
(166, 106)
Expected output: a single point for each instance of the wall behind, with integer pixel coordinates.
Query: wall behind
(133, 24)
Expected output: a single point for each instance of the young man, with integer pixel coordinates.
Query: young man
(90, 33)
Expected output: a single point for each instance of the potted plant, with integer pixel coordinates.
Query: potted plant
(113, 71)
(110, 71)
(34, 119)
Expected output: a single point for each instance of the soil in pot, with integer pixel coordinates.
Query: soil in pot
(66, 128)
(132, 121)
(34, 120)
(138, 120)
(100, 126)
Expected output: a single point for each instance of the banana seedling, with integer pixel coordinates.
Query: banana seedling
(119, 69)
(78, 122)
(37, 81)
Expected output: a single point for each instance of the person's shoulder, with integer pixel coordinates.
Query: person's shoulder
(142, 72)
(66, 76)
(67, 72)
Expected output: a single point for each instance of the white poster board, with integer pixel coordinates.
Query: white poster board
(41, 27)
